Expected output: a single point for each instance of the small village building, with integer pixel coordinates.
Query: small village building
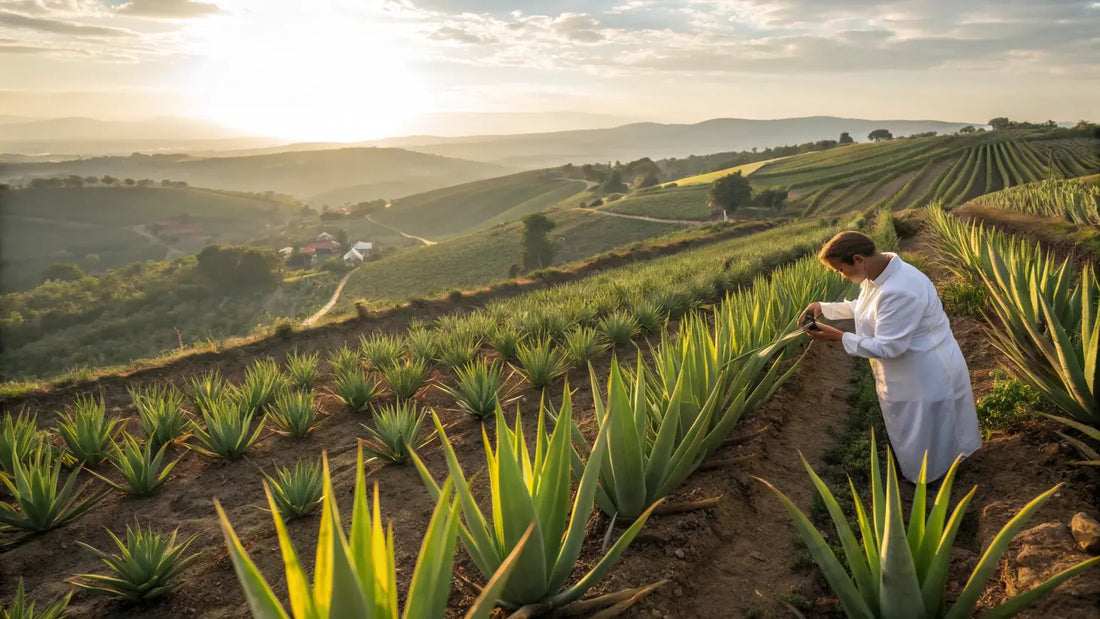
(353, 258)
(364, 247)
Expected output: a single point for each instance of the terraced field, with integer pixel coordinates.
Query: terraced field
(908, 172)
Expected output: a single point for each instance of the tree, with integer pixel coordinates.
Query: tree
(1000, 123)
(649, 180)
(614, 184)
(845, 138)
(538, 250)
(63, 272)
(729, 192)
(879, 135)
(967, 130)
(342, 238)
(772, 198)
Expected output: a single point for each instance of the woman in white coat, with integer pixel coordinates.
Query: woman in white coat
(920, 374)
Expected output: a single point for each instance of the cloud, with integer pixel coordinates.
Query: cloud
(57, 26)
(168, 9)
(11, 46)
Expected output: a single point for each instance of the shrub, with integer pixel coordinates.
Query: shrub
(1009, 403)
(965, 298)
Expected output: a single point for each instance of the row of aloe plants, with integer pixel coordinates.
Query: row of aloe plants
(1073, 200)
(707, 377)
(1047, 316)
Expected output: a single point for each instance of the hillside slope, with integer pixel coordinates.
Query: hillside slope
(301, 174)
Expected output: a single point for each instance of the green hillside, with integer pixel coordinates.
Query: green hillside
(480, 258)
(101, 227)
(907, 172)
(673, 203)
(470, 206)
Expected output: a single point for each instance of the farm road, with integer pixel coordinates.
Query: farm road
(335, 296)
(408, 236)
(689, 222)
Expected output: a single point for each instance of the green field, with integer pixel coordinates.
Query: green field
(465, 208)
(673, 203)
(483, 257)
(908, 172)
(94, 226)
(710, 177)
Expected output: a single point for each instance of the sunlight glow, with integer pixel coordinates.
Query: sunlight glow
(315, 78)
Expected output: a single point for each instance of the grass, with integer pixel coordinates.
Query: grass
(675, 203)
(710, 177)
(1007, 404)
(484, 257)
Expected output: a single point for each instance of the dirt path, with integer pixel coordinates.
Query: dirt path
(408, 236)
(141, 231)
(734, 559)
(689, 222)
(327, 306)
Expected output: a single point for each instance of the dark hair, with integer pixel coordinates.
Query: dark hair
(846, 245)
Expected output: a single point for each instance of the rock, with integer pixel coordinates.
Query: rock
(1086, 531)
(1040, 552)
(1050, 453)
(757, 556)
(678, 592)
(680, 553)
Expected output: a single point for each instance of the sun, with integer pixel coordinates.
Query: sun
(307, 79)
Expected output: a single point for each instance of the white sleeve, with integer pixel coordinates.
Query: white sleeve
(839, 310)
(895, 320)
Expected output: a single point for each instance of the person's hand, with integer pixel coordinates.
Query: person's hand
(824, 333)
(812, 310)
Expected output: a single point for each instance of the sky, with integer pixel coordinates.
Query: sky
(351, 70)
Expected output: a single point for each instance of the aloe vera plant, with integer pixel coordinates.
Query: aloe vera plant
(160, 413)
(343, 360)
(422, 343)
(1048, 318)
(583, 344)
(395, 432)
(355, 574)
(87, 432)
(406, 378)
(477, 390)
(208, 389)
(540, 362)
(301, 369)
(142, 470)
(899, 570)
(532, 490)
(40, 505)
(18, 439)
(263, 381)
(619, 327)
(144, 568)
(457, 349)
(19, 609)
(293, 413)
(355, 390)
(228, 430)
(504, 340)
(296, 491)
(381, 350)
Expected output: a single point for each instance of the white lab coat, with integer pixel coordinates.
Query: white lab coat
(920, 374)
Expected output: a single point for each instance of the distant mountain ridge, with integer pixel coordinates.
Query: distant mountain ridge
(656, 140)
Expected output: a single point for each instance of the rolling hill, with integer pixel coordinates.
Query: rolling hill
(654, 140)
(108, 227)
(301, 174)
